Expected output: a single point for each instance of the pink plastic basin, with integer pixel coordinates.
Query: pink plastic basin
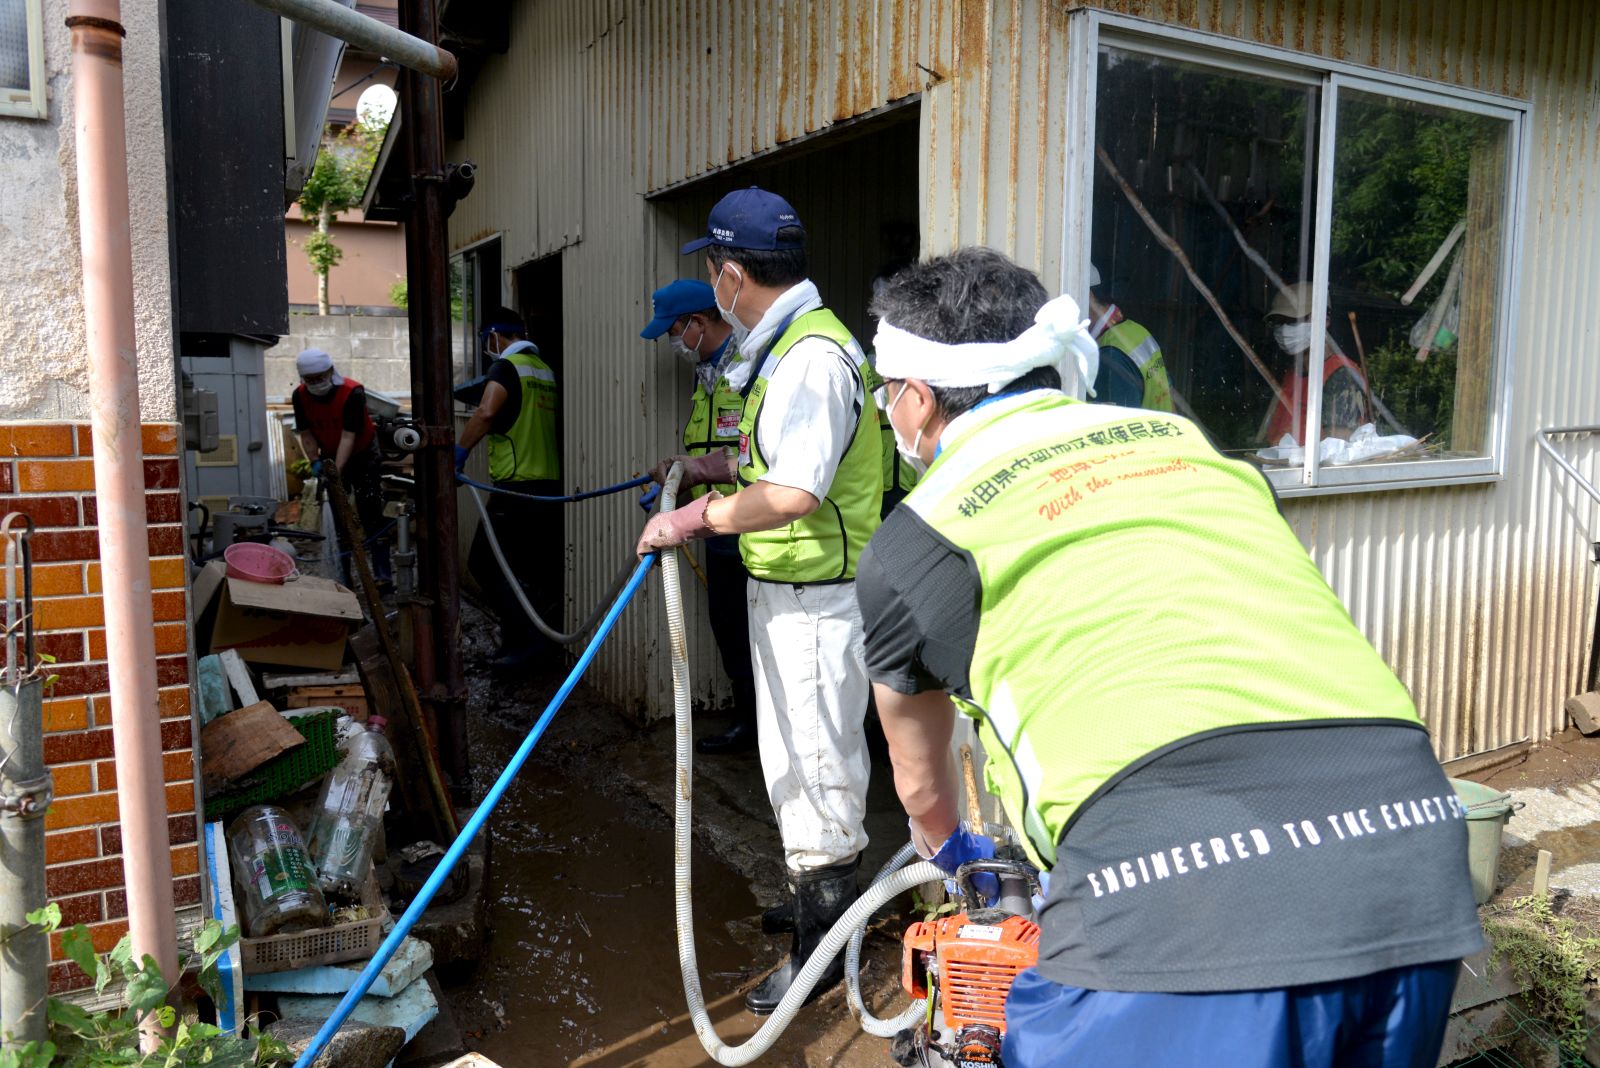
(258, 563)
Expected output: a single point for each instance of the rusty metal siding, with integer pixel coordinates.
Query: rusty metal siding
(1481, 597)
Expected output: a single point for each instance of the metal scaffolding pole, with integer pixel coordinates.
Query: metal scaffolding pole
(337, 20)
(437, 632)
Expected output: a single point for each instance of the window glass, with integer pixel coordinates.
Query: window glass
(14, 45)
(1419, 208)
(1204, 204)
(463, 305)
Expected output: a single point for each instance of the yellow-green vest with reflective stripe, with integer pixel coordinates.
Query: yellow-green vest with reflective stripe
(1090, 655)
(823, 546)
(714, 423)
(527, 452)
(1135, 342)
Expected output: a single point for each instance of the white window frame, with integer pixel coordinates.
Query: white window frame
(1092, 29)
(28, 102)
(471, 261)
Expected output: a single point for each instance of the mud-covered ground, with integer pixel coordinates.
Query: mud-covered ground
(582, 965)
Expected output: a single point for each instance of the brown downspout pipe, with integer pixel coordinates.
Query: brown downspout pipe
(107, 248)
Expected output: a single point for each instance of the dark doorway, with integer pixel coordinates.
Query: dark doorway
(855, 190)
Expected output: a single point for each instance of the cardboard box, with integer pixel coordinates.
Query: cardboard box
(302, 623)
(352, 699)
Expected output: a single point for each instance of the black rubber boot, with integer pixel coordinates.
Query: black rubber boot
(739, 738)
(821, 896)
(779, 919)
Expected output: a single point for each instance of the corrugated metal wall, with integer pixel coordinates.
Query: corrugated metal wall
(1481, 597)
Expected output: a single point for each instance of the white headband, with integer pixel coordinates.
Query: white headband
(1058, 338)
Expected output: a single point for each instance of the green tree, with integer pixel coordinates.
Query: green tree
(337, 182)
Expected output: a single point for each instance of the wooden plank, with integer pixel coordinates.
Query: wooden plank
(234, 745)
(319, 678)
(239, 678)
(1494, 758)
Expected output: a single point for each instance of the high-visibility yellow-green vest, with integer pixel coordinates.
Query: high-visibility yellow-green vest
(527, 451)
(823, 546)
(1135, 342)
(1090, 657)
(714, 422)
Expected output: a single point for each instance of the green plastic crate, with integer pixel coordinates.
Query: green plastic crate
(286, 772)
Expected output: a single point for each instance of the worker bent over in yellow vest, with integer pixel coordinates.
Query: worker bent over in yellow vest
(685, 312)
(1254, 858)
(518, 415)
(809, 487)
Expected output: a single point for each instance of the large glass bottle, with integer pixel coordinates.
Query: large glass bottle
(271, 866)
(349, 813)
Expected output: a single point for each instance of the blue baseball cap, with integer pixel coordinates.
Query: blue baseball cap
(748, 218)
(675, 300)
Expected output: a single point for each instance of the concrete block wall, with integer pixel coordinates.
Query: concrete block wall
(374, 349)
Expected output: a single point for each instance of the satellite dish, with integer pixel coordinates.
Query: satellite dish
(376, 101)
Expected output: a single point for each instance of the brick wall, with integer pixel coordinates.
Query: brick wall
(46, 471)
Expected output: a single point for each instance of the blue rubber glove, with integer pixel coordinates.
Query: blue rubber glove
(316, 468)
(1043, 894)
(462, 452)
(647, 499)
(960, 847)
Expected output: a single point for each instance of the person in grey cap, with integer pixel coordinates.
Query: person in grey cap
(330, 414)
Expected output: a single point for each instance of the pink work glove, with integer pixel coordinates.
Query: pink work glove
(705, 470)
(667, 529)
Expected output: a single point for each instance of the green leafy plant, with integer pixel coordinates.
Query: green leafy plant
(928, 910)
(1553, 956)
(337, 182)
(400, 292)
(83, 1039)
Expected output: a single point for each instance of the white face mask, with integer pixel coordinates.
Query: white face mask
(320, 389)
(740, 331)
(1293, 338)
(907, 452)
(689, 353)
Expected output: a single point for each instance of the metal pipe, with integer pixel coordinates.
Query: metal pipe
(336, 20)
(440, 679)
(25, 791)
(474, 824)
(106, 243)
(1543, 438)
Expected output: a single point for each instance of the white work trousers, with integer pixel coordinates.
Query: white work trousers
(811, 701)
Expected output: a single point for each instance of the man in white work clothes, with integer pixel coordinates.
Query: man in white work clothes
(809, 482)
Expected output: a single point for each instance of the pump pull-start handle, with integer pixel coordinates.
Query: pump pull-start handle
(1007, 873)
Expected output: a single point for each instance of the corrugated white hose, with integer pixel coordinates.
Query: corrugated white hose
(850, 923)
(871, 1024)
(522, 598)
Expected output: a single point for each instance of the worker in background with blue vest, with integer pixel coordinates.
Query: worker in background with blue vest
(1254, 857)
(1133, 373)
(336, 431)
(517, 413)
(686, 313)
(809, 485)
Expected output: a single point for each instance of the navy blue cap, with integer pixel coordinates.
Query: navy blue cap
(675, 300)
(748, 218)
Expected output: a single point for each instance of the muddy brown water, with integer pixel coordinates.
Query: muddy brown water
(582, 964)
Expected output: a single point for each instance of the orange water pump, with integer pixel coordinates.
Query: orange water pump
(965, 964)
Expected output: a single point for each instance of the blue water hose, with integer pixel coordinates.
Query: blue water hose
(458, 848)
(618, 488)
